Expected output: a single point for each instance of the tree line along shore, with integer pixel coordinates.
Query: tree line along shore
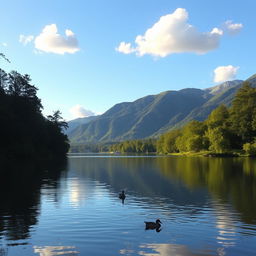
(228, 131)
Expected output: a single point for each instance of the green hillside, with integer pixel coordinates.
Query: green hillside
(153, 115)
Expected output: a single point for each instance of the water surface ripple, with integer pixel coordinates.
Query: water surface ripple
(207, 207)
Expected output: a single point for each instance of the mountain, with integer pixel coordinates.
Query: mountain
(78, 121)
(215, 90)
(155, 114)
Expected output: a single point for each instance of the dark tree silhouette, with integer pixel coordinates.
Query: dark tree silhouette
(3, 56)
(3, 81)
(25, 132)
(57, 119)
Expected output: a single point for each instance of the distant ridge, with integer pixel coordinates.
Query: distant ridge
(78, 121)
(153, 115)
(223, 87)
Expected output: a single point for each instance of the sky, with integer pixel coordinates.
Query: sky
(86, 56)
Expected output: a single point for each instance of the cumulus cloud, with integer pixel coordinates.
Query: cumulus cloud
(25, 39)
(173, 34)
(125, 48)
(50, 41)
(232, 28)
(225, 73)
(78, 111)
(4, 44)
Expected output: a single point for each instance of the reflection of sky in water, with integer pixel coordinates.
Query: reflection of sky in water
(55, 250)
(79, 192)
(162, 250)
(86, 213)
(226, 227)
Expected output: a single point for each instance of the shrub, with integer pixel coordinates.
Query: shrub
(250, 148)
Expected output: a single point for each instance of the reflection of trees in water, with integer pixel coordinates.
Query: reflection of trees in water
(20, 188)
(138, 175)
(227, 179)
(183, 179)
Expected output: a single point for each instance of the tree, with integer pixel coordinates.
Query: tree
(243, 113)
(3, 56)
(250, 148)
(219, 141)
(57, 120)
(27, 134)
(193, 137)
(19, 86)
(218, 132)
(218, 117)
(3, 81)
(166, 143)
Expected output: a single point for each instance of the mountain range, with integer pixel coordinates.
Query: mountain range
(153, 115)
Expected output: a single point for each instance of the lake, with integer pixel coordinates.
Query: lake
(207, 207)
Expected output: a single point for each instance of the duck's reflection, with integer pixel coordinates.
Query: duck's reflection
(55, 250)
(122, 196)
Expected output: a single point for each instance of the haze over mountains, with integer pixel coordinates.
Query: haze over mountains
(153, 115)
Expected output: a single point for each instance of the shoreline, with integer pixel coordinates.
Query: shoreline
(181, 154)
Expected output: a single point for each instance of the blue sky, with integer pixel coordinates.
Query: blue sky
(81, 66)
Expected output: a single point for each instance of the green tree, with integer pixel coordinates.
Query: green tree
(250, 148)
(219, 117)
(243, 113)
(193, 137)
(166, 143)
(218, 139)
(218, 132)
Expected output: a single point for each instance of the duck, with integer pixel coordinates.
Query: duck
(122, 195)
(153, 225)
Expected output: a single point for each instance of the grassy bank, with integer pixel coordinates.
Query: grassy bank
(236, 153)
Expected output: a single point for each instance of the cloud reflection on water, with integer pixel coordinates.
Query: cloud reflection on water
(225, 226)
(163, 250)
(55, 250)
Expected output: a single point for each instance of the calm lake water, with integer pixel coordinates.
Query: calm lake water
(207, 207)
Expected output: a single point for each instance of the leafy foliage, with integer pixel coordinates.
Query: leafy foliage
(166, 142)
(26, 133)
(224, 129)
(250, 149)
(192, 138)
(243, 113)
(134, 146)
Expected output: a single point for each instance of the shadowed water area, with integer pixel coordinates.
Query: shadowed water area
(207, 206)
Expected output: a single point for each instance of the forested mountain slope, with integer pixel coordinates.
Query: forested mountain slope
(155, 114)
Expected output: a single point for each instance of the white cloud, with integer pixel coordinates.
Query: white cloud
(25, 39)
(232, 28)
(225, 73)
(78, 111)
(50, 41)
(125, 48)
(217, 31)
(4, 44)
(172, 34)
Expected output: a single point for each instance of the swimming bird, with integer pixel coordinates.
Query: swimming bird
(153, 225)
(122, 195)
